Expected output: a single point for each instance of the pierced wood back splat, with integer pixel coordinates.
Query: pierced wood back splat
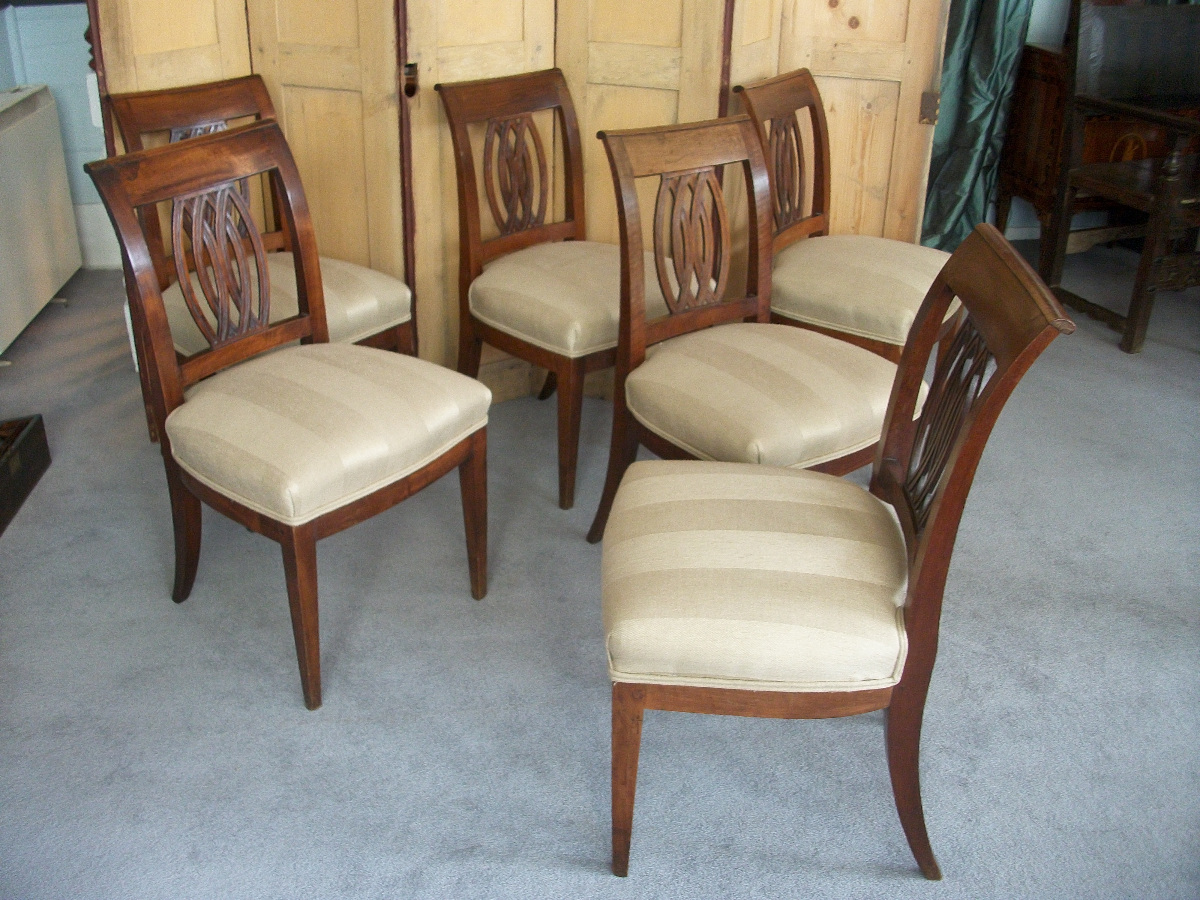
(786, 155)
(784, 109)
(691, 239)
(516, 167)
(514, 164)
(219, 258)
(213, 236)
(690, 224)
(959, 380)
(926, 463)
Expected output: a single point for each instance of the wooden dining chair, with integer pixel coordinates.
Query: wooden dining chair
(300, 442)
(362, 305)
(530, 284)
(762, 591)
(859, 288)
(710, 377)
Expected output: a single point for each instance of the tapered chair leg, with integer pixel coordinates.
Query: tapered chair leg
(472, 481)
(548, 386)
(627, 708)
(300, 566)
(621, 454)
(904, 763)
(185, 517)
(570, 411)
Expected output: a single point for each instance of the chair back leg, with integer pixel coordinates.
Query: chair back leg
(621, 454)
(904, 717)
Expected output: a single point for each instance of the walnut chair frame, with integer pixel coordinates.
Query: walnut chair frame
(691, 249)
(776, 107)
(923, 468)
(201, 179)
(517, 185)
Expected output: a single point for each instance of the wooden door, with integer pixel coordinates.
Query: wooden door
(458, 40)
(873, 60)
(149, 44)
(331, 71)
(633, 63)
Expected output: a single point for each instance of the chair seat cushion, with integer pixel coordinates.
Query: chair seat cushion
(752, 577)
(867, 286)
(304, 430)
(359, 302)
(756, 393)
(564, 296)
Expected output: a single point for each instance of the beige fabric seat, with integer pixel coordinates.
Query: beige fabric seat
(870, 287)
(564, 296)
(750, 577)
(761, 393)
(305, 430)
(359, 302)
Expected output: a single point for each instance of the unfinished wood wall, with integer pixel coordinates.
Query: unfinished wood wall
(332, 72)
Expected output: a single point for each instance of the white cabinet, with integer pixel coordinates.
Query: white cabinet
(39, 246)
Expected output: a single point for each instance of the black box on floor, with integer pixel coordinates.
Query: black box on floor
(24, 456)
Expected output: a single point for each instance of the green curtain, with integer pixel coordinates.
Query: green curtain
(983, 46)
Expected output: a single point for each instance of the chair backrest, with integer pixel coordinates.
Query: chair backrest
(692, 244)
(515, 168)
(149, 118)
(783, 109)
(925, 463)
(218, 253)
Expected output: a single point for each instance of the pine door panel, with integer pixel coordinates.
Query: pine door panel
(873, 60)
(331, 71)
(149, 44)
(629, 64)
(460, 40)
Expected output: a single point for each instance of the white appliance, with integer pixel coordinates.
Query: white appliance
(39, 246)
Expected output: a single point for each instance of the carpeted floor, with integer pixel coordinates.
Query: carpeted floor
(149, 750)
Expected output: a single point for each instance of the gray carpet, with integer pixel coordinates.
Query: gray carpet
(149, 750)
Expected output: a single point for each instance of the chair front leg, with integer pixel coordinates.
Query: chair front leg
(472, 481)
(186, 519)
(628, 705)
(299, 546)
(570, 411)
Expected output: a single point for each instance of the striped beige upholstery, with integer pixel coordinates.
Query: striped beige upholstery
(855, 284)
(759, 393)
(359, 302)
(299, 432)
(753, 577)
(563, 296)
